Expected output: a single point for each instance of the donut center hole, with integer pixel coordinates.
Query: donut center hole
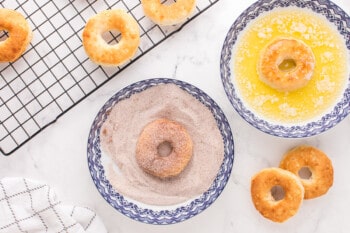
(287, 65)
(112, 37)
(277, 193)
(4, 35)
(305, 173)
(164, 149)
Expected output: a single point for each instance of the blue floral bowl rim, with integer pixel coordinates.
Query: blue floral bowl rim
(306, 129)
(176, 213)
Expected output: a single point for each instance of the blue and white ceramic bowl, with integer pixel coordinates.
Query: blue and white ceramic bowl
(158, 214)
(336, 16)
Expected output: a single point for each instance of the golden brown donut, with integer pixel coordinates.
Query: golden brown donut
(98, 50)
(261, 186)
(286, 64)
(147, 149)
(19, 36)
(168, 14)
(319, 165)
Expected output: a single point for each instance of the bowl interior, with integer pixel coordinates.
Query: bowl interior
(148, 213)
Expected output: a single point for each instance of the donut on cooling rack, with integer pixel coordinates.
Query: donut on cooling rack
(168, 14)
(19, 35)
(173, 159)
(319, 165)
(102, 53)
(286, 64)
(262, 185)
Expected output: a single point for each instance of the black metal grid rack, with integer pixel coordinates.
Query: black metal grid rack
(55, 74)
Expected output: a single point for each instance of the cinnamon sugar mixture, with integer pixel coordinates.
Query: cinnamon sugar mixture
(125, 122)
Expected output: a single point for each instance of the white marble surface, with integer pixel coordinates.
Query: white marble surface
(57, 155)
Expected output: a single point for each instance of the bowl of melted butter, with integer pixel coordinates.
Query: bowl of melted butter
(314, 108)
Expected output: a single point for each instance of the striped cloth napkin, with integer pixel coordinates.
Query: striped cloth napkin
(32, 207)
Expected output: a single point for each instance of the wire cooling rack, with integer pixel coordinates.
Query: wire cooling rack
(55, 74)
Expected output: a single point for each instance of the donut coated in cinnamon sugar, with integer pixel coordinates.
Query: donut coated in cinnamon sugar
(102, 53)
(297, 72)
(19, 37)
(276, 210)
(319, 165)
(168, 14)
(152, 136)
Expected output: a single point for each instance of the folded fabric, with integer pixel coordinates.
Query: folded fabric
(30, 206)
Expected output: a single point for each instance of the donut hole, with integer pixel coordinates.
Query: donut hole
(4, 35)
(164, 149)
(277, 192)
(112, 37)
(305, 173)
(287, 64)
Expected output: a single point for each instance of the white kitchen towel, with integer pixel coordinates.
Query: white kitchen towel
(32, 207)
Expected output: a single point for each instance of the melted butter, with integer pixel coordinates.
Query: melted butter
(330, 73)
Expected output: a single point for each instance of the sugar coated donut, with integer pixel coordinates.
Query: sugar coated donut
(261, 191)
(317, 162)
(152, 137)
(19, 35)
(286, 64)
(168, 14)
(99, 50)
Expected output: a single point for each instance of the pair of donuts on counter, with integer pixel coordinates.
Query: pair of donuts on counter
(295, 186)
(102, 53)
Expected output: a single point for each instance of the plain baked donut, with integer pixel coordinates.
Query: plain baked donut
(319, 165)
(152, 136)
(168, 14)
(261, 186)
(286, 64)
(19, 36)
(98, 50)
